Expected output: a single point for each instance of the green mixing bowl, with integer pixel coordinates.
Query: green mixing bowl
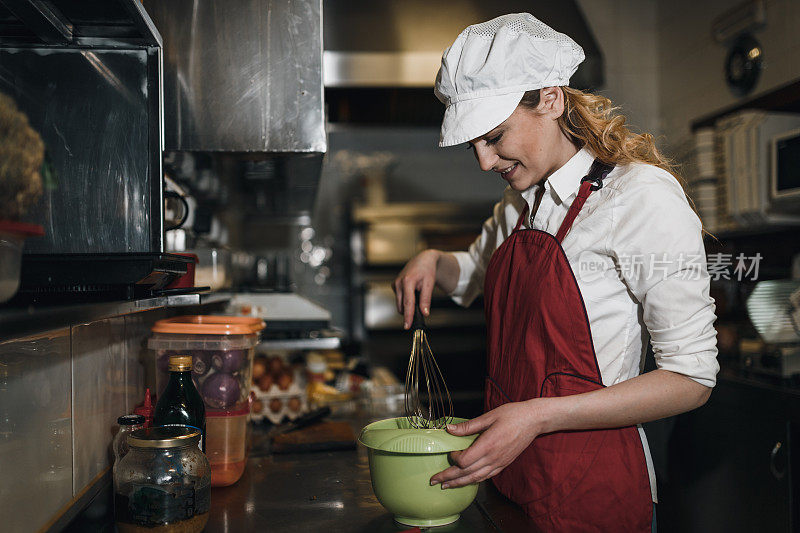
(401, 462)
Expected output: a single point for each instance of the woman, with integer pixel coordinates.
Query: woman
(593, 248)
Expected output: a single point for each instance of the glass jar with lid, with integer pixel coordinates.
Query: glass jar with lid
(127, 425)
(163, 483)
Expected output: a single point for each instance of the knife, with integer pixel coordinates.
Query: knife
(301, 421)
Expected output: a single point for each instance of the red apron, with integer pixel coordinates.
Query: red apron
(540, 345)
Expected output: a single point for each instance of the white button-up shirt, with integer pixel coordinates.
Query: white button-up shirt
(636, 250)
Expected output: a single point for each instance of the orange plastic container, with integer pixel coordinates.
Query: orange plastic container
(226, 444)
(222, 350)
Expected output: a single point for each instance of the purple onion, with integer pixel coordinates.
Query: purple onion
(200, 363)
(228, 361)
(220, 391)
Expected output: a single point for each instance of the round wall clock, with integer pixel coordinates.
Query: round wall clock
(743, 64)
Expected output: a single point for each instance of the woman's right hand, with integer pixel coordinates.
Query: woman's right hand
(419, 274)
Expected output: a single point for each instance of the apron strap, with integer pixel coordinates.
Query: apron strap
(521, 217)
(591, 182)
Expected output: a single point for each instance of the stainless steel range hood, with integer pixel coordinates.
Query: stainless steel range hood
(391, 43)
(242, 75)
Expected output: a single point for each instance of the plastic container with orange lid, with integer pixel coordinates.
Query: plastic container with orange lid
(226, 444)
(222, 355)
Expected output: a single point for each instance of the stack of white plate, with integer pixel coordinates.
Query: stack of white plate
(703, 184)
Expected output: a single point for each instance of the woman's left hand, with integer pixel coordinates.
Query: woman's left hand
(506, 432)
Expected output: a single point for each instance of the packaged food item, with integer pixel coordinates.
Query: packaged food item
(180, 404)
(163, 483)
(317, 367)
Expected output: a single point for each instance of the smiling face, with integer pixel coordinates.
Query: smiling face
(529, 145)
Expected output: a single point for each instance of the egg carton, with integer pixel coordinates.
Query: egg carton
(297, 389)
(276, 417)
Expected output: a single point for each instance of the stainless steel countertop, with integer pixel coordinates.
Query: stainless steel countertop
(331, 491)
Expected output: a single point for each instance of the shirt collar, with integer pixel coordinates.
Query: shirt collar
(565, 181)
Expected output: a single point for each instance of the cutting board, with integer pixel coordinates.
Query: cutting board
(324, 436)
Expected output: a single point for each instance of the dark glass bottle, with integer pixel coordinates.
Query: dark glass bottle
(180, 403)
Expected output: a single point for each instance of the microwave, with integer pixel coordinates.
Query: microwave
(785, 166)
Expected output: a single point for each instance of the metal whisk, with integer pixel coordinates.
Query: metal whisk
(433, 409)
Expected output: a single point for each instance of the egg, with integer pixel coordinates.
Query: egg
(285, 381)
(294, 404)
(265, 382)
(259, 368)
(275, 365)
(275, 405)
(256, 407)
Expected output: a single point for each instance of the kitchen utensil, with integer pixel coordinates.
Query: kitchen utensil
(434, 408)
(402, 460)
(305, 420)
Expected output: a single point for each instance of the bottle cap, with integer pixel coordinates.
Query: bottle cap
(130, 420)
(180, 363)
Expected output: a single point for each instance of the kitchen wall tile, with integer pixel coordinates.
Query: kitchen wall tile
(35, 430)
(137, 329)
(99, 394)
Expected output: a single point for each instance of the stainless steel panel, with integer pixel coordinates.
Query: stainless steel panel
(388, 43)
(98, 113)
(380, 69)
(98, 391)
(35, 430)
(116, 23)
(246, 77)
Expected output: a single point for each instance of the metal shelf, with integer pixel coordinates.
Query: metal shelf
(16, 322)
(322, 343)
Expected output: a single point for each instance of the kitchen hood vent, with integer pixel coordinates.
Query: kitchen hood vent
(242, 76)
(386, 43)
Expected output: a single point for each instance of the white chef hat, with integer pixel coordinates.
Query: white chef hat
(488, 68)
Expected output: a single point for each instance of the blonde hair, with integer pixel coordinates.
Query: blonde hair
(591, 120)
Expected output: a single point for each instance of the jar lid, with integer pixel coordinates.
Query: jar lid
(209, 325)
(164, 437)
(130, 420)
(180, 363)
